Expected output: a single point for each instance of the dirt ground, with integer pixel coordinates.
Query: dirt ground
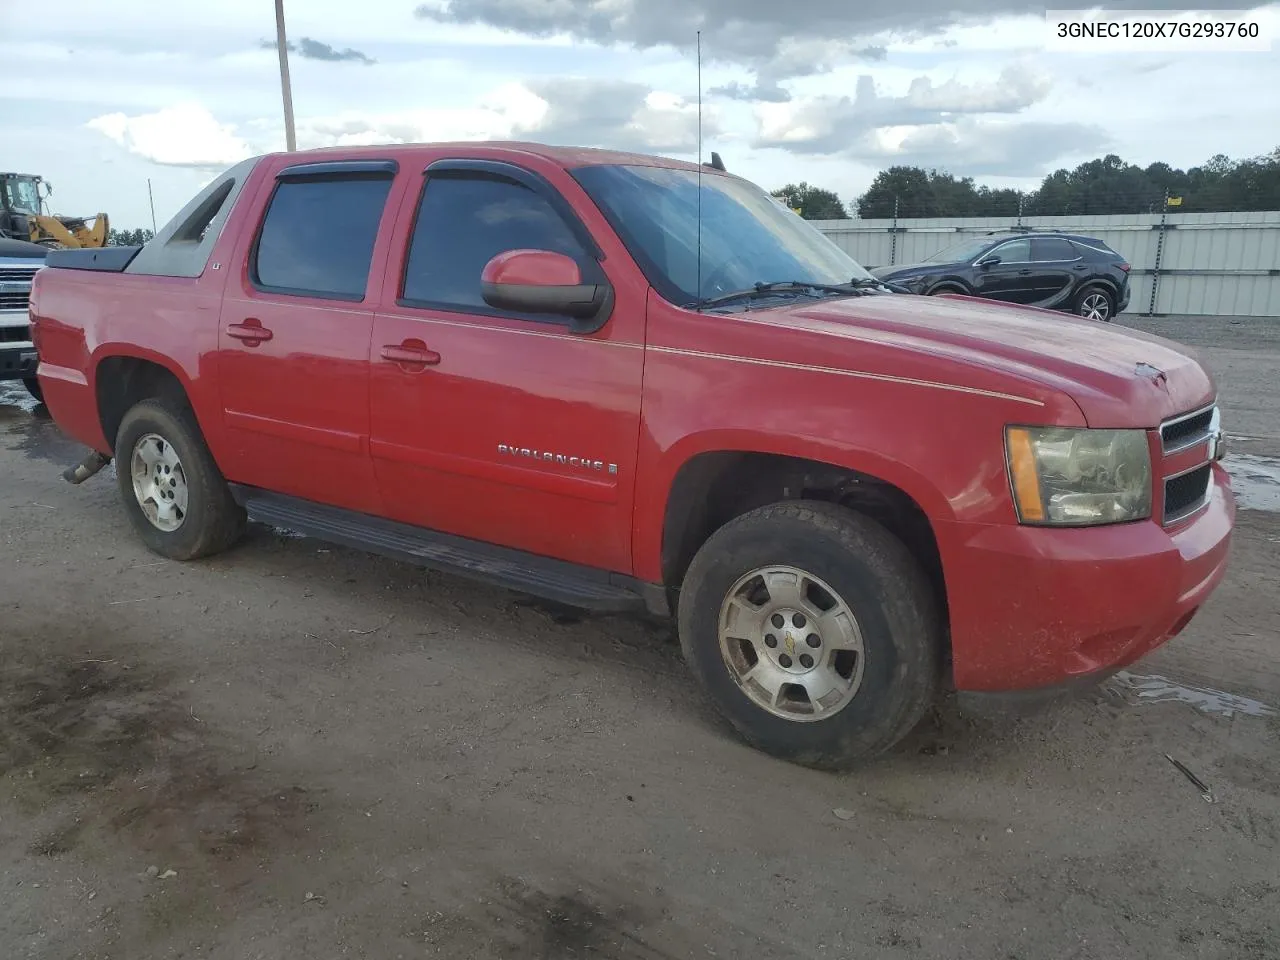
(301, 751)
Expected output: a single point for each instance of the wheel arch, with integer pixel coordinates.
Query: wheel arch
(949, 285)
(712, 485)
(124, 374)
(1105, 282)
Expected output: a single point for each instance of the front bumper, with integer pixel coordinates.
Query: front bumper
(1035, 607)
(17, 361)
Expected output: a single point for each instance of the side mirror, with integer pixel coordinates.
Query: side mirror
(988, 262)
(44, 189)
(542, 281)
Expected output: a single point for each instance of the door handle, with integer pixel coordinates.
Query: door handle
(1024, 273)
(250, 333)
(1080, 266)
(410, 353)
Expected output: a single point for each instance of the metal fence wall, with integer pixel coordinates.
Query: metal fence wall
(1225, 264)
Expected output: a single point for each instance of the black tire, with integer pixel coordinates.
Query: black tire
(881, 583)
(945, 288)
(213, 521)
(1088, 295)
(33, 388)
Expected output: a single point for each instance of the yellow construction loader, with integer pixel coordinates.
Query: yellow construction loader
(23, 216)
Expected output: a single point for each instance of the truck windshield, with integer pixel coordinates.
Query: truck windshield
(21, 195)
(747, 237)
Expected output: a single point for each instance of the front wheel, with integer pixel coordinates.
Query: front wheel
(176, 498)
(814, 631)
(33, 388)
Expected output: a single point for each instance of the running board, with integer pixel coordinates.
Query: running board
(571, 584)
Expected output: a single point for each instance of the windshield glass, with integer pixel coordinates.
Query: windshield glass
(965, 250)
(747, 236)
(22, 196)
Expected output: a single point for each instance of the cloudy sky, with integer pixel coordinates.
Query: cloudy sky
(98, 97)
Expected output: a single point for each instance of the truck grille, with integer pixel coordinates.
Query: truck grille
(15, 334)
(1186, 431)
(15, 299)
(1188, 483)
(1185, 493)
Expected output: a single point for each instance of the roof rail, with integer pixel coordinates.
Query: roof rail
(991, 233)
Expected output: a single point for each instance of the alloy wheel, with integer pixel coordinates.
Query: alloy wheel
(159, 482)
(791, 643)
(1095, 306)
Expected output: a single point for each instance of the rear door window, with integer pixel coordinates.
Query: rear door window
(1094, 247)
(1045, 249)
(318, 235)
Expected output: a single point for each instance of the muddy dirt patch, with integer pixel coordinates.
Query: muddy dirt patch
(518, 919)
(69, 726)
(104, 746)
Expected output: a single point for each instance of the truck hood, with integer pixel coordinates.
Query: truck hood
(1119, 377)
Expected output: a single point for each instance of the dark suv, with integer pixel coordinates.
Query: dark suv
(1058, 271)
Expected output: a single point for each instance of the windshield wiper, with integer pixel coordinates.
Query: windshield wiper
(774, 288)
(871, 283)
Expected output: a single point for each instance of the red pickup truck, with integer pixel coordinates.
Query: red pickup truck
(622, 382)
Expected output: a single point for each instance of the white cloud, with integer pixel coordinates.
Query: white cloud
(828, 124)
(186, 135)
(966, 85)
(495, 116)
(1018, 86)
(983, 147)
(617, 114)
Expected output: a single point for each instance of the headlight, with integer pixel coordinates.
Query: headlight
(1064, 476)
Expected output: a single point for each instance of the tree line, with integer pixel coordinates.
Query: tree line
(128, 238)
(1103, 186)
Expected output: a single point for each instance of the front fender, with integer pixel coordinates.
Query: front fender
(949, 285)
(938, 494)
(923, 423)
(845, 454)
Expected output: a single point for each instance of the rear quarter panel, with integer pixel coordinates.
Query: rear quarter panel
(85, 317)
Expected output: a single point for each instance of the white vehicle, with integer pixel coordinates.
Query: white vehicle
(19, 262)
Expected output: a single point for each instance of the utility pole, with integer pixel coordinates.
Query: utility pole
(893, 234)
(1155, 271)
(286, 92)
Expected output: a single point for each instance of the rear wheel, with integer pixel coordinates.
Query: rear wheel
(1095, 303)
(176, 498)
(33, 388)
(814, 631)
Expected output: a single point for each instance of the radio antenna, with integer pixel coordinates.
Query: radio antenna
(699, 253)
